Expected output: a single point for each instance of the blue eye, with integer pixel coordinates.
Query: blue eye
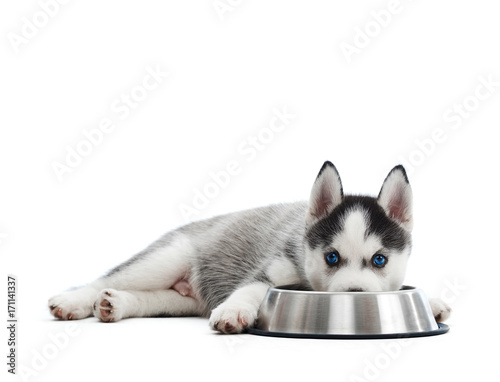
(332, 258)
(379, 260)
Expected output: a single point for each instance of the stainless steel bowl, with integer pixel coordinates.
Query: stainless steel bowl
(290, 312)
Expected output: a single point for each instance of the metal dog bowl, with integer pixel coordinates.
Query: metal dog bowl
(290, 312)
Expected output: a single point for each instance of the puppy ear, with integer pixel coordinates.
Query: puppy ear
(326, 193)
(396, 197)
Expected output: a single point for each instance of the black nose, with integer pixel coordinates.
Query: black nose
(355, 290)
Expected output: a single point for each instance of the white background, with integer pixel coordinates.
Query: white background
(228, 69)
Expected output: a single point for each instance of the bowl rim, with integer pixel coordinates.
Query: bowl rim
(442, 329)
(291, 289)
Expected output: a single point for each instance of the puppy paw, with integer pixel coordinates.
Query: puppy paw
(109, 306)
(440, 309)
(70, 306)
(232, 319)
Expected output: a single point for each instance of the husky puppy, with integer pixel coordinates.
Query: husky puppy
(222, 267)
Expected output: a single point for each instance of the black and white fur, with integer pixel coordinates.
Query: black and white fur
(222, 267)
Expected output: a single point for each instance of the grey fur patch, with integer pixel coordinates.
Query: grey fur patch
(236, 250)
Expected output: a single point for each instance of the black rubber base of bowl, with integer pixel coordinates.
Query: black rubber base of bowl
(442, 328)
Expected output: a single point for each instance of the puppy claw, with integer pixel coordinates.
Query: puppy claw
(243, 322)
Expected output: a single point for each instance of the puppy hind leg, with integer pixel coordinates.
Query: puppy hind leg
(112, 305)
(159, 266)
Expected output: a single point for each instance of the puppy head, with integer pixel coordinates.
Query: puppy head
(358, 243)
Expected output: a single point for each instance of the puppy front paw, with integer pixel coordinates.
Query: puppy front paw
(440, 309)
(232, 319)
